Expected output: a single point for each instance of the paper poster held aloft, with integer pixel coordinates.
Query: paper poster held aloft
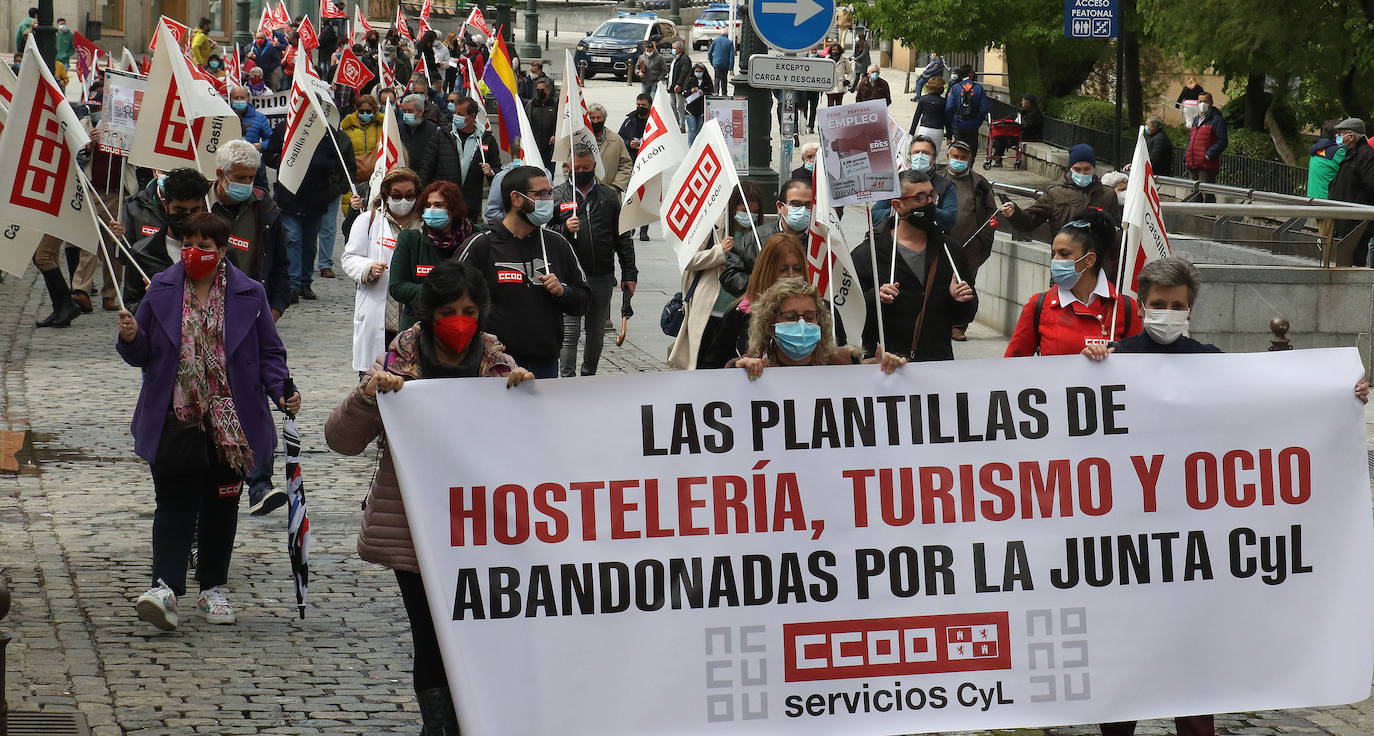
(859, 161)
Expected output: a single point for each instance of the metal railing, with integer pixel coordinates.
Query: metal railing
(1237, 171)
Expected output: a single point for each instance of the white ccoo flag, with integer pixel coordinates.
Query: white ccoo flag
(183, 121)
(698, 193)
(829, 266)
(573, 126)
(661, 150)
(1146, 239)
(40, 192)
(306, 128)
(390, 151)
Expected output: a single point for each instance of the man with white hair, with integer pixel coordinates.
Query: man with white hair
(417, 133)
(615, 157)
(873, 87)
(257, 246)
(808, 161)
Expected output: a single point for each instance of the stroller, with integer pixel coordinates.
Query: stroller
(1004, 134)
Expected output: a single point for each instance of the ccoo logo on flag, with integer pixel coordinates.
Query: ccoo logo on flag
(43, 164)
(702, 179)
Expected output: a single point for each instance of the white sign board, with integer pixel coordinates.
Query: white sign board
(994, 544)
(123, 99)
(859, 163)
(805, 73)
(733, 115)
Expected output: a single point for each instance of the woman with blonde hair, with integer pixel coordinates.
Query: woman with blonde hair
(790, 325)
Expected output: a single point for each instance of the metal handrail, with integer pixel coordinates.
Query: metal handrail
(1265, 204)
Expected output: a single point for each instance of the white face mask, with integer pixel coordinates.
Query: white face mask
(1121, 198)
(1203, 107)
(1164, 326)
(400, 207)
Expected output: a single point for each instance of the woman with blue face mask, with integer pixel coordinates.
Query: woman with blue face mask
(1080, 189)
(445, 227)
(1081, 306)
(791, 326)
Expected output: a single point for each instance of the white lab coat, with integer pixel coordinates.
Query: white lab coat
(372, 238)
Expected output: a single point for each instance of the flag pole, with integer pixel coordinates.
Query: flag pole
(740, 188)
(829, 280)
(119, 240)
(873, 262)
(892, 267)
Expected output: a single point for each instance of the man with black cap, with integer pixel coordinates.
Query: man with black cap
(1354, 181)
(1078, 190)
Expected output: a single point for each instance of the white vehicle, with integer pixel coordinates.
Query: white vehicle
(711, 23)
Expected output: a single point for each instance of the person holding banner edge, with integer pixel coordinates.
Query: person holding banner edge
(1076, 312)
(448, 340)
(783, 257)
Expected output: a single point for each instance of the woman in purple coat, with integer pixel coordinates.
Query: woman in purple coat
(210, 354)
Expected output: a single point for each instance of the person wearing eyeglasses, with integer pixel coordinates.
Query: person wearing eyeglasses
(532, 273)
(1082, 306)
(367, 257)
(790, 326)
(794, 218)
(920, 294)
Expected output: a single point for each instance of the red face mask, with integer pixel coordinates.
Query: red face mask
(199, 263)
(456, 332)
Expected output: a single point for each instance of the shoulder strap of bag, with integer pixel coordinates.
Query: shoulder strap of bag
(693, 288)
(925, 302)
(1039, 304)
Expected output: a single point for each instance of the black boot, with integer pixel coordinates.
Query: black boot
(437, 713)
(64, 310)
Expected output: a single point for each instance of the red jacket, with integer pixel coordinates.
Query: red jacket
(1206, 142)
(1065, 329)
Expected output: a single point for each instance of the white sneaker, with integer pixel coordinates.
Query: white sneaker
(158, 607)
(215, 606)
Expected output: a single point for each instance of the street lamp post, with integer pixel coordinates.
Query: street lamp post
(46, 34)
(675, 11)
(530, 48)
(243, 35)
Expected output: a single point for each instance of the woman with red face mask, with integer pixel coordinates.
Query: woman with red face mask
(208, 346)
(447, 341)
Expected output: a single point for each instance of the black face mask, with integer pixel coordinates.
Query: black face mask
(598, 127)
(922, 218)
(642, 112)
(541, 95)
(174, 222)
(583, 178)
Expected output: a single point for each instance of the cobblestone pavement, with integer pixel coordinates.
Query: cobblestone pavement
(74, 549)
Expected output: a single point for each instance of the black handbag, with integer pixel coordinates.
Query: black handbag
(675, 311)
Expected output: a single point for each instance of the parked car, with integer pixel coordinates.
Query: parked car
(711, 23)
(614, 46)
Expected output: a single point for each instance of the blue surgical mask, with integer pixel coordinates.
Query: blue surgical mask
(366, 117)
(958, 166)
(239, 105)
(1065, 273)
(214, 65)
(95, 118)
(1081, 180)
(921, 162)
(745, 219)
(460, 121)
(238, 192)
(797, 339)
(873, 76)
(798, 218)
(436, 217)
(543, 212)
(809, 165)
(452, 106)
(409, 117)
(161, 182)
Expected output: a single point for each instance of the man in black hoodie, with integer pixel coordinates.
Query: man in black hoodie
(532, 273)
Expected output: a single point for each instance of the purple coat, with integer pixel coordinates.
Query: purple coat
(254, 358)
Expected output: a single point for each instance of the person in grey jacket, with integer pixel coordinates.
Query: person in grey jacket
(652, 68)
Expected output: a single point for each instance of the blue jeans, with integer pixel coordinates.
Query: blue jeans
(693, 125)
(329, 228)
(302, 237)
(648, 88)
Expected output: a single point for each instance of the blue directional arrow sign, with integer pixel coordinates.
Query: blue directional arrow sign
(792, 26)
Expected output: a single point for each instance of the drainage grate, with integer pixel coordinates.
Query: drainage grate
(48, 723)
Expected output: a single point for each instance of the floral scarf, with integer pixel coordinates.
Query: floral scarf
(449, 238)
(201, 391)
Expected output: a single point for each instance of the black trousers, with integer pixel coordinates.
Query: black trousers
(200, 506)
(429, 663)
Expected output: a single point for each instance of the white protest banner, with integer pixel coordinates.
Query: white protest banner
(698, 193)
(306, 128)
(974, 544)
(829, 265)
(661, 151)
(123, 100)
(1146, 238)
(39, 188)
(858, 152)
(733, 114)
(183, 120)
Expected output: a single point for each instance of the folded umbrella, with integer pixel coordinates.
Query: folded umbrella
(297, 519)
(626, 312)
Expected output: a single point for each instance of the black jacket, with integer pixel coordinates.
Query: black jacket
(442, 162)
(416, 140)
(598, 241)
(1161, 153)
(679, 71)
(899, 317)
(543, 124)
(325, 181)
(739, 262)
(1143, 343)
(270, 269)
(1354, 180)
(632, 129)
(142, 215)
(693, 86)
(524, 315)
(151, 255)
(930, 113)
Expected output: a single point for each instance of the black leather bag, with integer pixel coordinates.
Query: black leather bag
(675, 311)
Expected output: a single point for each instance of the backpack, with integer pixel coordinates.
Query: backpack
(967, 108)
